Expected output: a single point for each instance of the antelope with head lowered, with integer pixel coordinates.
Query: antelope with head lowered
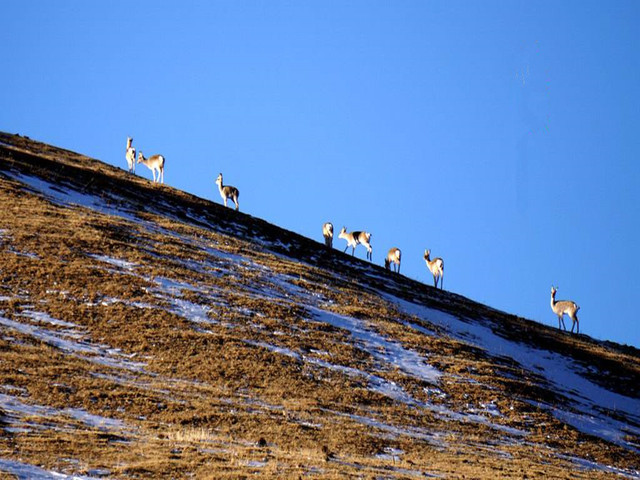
(131, 155)
(355, 238)
(227, 191)
(436, 267)
(327, 233)
(154, 162)
(565, 307)
(393, 257)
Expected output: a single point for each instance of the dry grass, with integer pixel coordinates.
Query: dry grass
(208, 400)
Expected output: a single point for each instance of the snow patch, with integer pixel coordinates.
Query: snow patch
(16, 410)
(67, 196)
(591, 408)
(122, 264)
(389, 352)
(25, 471)
(72, 342)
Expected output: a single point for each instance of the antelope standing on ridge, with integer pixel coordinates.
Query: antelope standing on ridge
(393, 257)
(227, 191)
(327, 233)
(131, 155)
(154, 162)
(562, 307)
(354, 238)
(436, 267)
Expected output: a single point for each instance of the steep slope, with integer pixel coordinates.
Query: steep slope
(148, 333)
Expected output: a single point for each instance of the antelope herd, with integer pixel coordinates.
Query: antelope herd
(392, 261)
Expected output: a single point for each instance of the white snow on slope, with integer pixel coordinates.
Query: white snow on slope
(67, 196)
(24, 471)
(588, 405)
(73, 342)
(384, 350)
(16, 410)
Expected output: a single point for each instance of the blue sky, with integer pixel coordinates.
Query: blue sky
(504, 136)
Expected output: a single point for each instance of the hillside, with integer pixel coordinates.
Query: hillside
(149, 333)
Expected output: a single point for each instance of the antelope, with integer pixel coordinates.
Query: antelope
(562, 307)
(393, 257)
(436, 267)
(354, 238)
(327, 233)
(131, 156)
(227, 191)
(154, 162)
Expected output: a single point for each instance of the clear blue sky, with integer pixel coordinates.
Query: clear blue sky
(503, 135)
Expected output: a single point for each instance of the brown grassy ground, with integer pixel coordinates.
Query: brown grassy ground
(207, 399)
